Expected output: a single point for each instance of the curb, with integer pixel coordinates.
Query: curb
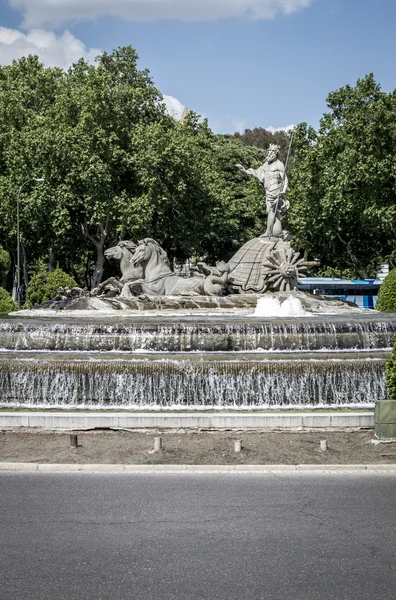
(192, 469)
(189, 420)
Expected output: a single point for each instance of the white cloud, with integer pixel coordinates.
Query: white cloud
(173, 106)
(37, 13)
(275, 129)
(53, 51)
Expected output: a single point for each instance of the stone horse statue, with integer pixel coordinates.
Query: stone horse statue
(124, 252)
(159, 280)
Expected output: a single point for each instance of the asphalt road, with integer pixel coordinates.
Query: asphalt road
(209, 537)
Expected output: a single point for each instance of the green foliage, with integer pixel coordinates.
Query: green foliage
(116, 166)
(387, 294)
(262, 138)
(6, 302)
(5, 263)
(44, 286)
(237, 203)
(172, 205)
(343, 185)
(391, 372)
(76, 129)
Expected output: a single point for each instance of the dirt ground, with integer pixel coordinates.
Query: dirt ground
(194, 447)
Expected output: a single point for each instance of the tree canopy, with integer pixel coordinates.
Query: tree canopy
(262, 138)
(116, 166)
(343, 188)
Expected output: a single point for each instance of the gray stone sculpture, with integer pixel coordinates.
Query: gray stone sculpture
(272, 175)
(159, 280)
(264, 264)
(145, 271)
(124, 252)
(268, 263)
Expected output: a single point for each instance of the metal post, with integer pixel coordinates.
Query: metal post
(18, 255)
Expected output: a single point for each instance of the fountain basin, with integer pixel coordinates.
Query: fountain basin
(192, 380)
(192, 362)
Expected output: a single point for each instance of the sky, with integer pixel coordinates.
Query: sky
(239, 63)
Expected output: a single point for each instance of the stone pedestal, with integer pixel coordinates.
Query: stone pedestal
(385, 419)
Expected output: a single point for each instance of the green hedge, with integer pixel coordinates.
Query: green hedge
(391, 372)
(6, 302)
(387, 294)
(5, 262)
(44, 286)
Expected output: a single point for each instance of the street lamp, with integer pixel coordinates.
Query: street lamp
(19, 240)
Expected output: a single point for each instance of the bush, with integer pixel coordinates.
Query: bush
(5, 262)
(387, 295)
(391, 372)
(43, 286)
(6, 302)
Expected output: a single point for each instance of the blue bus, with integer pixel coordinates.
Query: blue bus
(363, 292)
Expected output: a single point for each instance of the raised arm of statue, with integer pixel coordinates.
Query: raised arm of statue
(247, 172)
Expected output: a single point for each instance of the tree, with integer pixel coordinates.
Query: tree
(172, 204)
(262, 138)
(27, 92)
(97, 111)
(387, 294)
(44, 286)
(237, 204)
(76, 129)
(5, 263)
(343, 192)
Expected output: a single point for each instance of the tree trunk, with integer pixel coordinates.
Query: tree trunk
(98, 273)
(98, 242)
(15, 288)
(87, 277)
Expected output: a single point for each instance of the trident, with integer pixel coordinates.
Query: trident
(279, 195)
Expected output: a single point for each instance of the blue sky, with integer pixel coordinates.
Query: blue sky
(240, 63)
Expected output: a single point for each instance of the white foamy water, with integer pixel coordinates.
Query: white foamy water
(270, 306)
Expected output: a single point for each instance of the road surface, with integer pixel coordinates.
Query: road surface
(193, 537)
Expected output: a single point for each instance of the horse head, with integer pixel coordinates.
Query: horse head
(148, 249)
(117, 252)
(142, 254)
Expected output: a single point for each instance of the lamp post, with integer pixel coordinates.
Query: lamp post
(19, 240)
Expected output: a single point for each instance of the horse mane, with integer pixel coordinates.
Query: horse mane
(131, 246)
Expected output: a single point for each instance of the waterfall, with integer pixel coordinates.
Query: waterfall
(206, 336)
(194, 362)
(193, 382)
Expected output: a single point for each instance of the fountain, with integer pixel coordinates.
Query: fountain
(237, 335)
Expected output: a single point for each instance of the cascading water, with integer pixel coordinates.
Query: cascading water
(211, 334)
(242, 382)
(194, 362)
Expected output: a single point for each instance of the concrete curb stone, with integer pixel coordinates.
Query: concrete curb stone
(10, 467)
(266, 420)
